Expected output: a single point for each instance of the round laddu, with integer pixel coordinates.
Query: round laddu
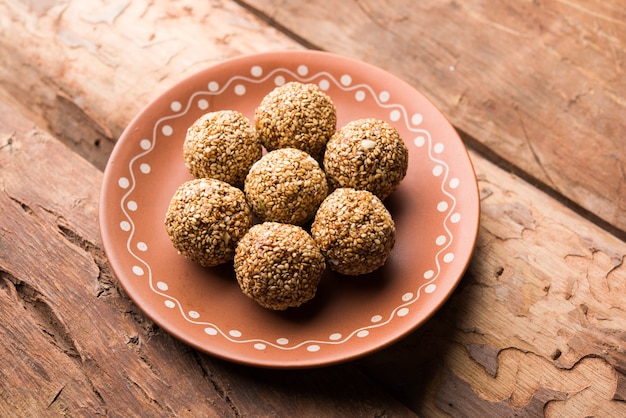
(366, 154)
(296, 115)
(286, 185)
(278, 265)
(354, 231)
(205, 220)
(221, 145)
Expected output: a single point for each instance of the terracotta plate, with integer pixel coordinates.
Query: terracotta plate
(436, 210)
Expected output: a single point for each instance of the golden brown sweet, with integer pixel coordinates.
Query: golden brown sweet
(221, 145)
(205, 220)
(354, 231)
(296, 115)
(366, 154)
(286, 185)
(278, 265)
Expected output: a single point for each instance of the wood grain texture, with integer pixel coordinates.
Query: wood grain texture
(85, 68)
(542, 84)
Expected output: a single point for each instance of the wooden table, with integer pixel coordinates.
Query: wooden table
(537, 91)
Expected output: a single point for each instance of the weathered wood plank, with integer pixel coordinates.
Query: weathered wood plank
(537, 324)
(542, 83)
(83, 69)
(72, 343)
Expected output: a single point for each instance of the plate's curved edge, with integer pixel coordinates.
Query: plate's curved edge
(258, 362)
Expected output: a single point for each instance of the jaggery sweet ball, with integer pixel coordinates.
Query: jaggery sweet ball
(366, 154)
(205, 220)
(296, 115)
(278, 265)
(354, 231)
(221, 145)
(286, 185)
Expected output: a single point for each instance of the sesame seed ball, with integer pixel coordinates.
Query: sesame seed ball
(205, 220)
(278, 265)
(366, 154)
(354, 230)
(296, 115)
(221, 145)
(286, 185)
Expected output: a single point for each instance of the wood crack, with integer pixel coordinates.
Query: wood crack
(215, 384)
(37, 305)
(106, 282)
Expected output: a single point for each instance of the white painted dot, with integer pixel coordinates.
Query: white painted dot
(260, 346)
(346, 80)
(441, 239)
(419, 141)
(210, 331)
(376, 318)
(279, 80)
(240, 89)
(430, 288)
(194, 314)
(145, 168)
(428, 274)
(452, 68)
(448, 258)
(407, 296)
(138, 271)
(417, 119)
(395, 115)
(124, 226)
(313, 348)
(234, 333)
(363, 333)
(455, 218)
(167, 130)
(324, 84)
(454, 183)
(145, 144)
(123, 182)
(359, 96)
(162, 286)
(203, 104)
(334, 337)
(442, 206)
(437, 170)
(170, 304)
(303, 70)
(214, 86)
(438, 148)
(282, 341)
(403, 312)
(384, 96)
(256, 71)
(142, 246)
(131, 205)
(176, 106)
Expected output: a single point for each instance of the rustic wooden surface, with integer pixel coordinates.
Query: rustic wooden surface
(538, 323)
(531, 82)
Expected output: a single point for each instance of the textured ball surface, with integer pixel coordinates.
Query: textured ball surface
(278, 265)
(205, 220)
(354, 231)
(221, 145)
(286, 185)
(296, 115)
(366, 154)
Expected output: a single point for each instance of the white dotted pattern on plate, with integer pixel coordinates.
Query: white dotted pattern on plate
(397, 113)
